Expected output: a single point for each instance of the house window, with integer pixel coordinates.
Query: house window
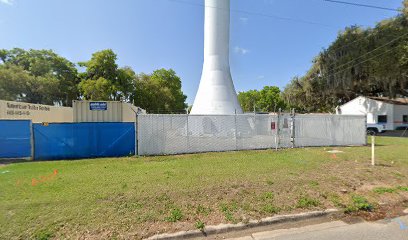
(405, 118)
(382, 119)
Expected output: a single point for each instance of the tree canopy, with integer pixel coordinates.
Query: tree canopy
(160, 92)
(157, 92)
(42, 76)
(361, 61)
(104, 80)
(37, 76)
(269, 99)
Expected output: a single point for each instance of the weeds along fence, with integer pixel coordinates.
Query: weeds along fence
(178, 134)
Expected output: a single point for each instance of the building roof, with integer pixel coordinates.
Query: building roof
(395, 101)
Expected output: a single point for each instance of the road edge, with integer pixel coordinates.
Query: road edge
(224, 228)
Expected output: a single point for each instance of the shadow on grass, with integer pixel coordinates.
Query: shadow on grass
(383, 165)
(11, 161)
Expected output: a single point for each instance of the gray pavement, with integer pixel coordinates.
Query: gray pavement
(392, 229)
(397, 133)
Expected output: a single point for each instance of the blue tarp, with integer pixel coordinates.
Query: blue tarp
(15, 138)
(83, 140)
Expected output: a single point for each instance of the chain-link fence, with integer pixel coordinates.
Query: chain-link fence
(176, 134)
(329, 130)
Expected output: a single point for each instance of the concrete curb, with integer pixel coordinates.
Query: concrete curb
(224, 228)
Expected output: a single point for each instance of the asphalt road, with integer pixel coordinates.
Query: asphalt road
(392, 229)
(399, 133)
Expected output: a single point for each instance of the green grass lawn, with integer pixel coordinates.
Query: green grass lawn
(138, 197)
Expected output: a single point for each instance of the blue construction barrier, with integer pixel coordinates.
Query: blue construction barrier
(15, 138)
(83, 140)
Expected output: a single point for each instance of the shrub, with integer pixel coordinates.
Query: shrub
(307, 202)
(382, 190)
(359, 203)
(314, 183)
(335, 199)
(228, 211)
(269, 208)
(401, 188)
(175, 215)
(267, 196)
(43, 235)
(200, 225)
(203, 210)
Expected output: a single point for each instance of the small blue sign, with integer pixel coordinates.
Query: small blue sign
(98, 106)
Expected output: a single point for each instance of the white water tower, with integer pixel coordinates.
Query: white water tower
(216, 93)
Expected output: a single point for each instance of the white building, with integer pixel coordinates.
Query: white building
(393, 113)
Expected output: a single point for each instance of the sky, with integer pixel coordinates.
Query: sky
(271, 40)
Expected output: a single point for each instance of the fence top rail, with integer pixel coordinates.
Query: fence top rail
(15, 120)
(251, 115)
(208, 115)
(329, 115)
(73, 123)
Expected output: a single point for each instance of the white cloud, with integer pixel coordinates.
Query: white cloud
(241, 50)
(244, 20)
(260, 77)
(269, 1)
(8, 2)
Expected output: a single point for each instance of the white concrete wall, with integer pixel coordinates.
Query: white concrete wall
(371, 108)
(399, 111)
(37, 113)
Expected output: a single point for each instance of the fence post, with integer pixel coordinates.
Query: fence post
(137, 135)
(188, 133)
(32, 140)
(236, 131)
(292, 128)
(373, 150)
(365, 129)
(277, 135)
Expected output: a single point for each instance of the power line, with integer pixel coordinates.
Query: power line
(255, 14)
(316, 23)
(351, 43)
(386, 44)
(270, 16)
(366, 60)
(363, 5)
